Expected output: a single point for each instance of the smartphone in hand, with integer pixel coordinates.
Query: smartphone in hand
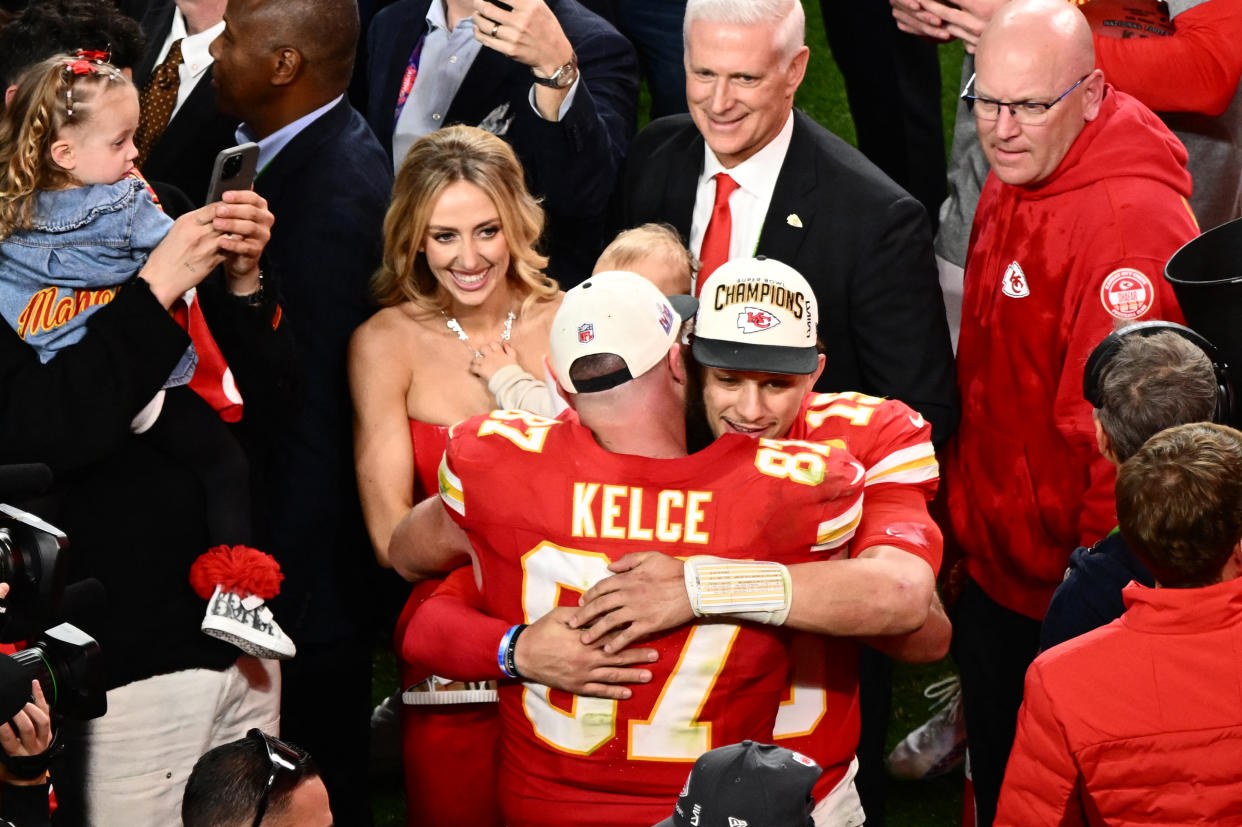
(234, 170)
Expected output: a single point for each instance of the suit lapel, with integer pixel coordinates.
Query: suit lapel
(793, 200)
(683, 183)
(477, 95)
(304, 146)
(411, 28)
(156, 23)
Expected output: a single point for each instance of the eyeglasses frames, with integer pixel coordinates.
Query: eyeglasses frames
(1028, 113)
(281, 757)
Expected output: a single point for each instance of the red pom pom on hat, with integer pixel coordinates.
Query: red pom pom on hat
(239, 569)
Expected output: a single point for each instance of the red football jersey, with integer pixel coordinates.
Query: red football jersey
(547, 509)
(819, 716)
(890, 439)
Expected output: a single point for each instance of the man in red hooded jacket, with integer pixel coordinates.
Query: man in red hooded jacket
(1085, 202)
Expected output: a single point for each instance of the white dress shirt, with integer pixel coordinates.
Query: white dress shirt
(756, 179)
(194, 55)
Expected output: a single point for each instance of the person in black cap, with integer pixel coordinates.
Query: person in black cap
(747, 785)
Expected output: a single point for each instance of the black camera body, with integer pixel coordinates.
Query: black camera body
(30, 564)
(65, 662)
(64, 659)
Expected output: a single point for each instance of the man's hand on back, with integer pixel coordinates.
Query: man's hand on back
(646, 595)
(550, 652)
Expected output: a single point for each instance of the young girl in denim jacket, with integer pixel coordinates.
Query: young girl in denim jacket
(76, 223)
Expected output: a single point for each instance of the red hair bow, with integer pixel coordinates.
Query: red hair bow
(81, 66)
(94, 54)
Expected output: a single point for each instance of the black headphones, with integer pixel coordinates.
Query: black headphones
(1107, 349)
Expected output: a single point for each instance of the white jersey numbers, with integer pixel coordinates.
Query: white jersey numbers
(672, 731)
(525, 430)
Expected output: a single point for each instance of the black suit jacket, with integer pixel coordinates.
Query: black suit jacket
(572, 164)
(329, 190)
(184, 154)
(864, 245)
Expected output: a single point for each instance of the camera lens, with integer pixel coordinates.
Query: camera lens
(232, 166)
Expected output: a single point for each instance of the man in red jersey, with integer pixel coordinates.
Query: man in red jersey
(758, 363)
(617, 482)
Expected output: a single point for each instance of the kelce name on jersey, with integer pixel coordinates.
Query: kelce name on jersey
(615, 512)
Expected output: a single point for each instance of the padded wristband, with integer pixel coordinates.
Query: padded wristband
(753, 590)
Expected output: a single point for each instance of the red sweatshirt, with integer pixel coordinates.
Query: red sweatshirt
(1051, 269)
(1195, 70)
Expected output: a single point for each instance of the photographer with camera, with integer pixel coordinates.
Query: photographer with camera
(26, 743)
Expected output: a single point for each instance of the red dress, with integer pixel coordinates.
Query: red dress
(450, 750)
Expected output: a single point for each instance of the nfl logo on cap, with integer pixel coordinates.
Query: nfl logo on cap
(586, 332)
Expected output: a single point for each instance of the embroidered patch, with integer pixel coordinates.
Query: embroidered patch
(586, 333)
(1014, 283)
(1126, 293)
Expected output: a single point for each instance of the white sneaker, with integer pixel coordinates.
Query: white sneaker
(247, 623)
(939, 745)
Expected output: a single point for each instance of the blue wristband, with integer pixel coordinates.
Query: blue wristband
(504, 653)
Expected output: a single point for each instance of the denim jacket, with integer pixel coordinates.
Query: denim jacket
(82, 246)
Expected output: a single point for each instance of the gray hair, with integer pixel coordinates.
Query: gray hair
(1153, 383)
(787, 15)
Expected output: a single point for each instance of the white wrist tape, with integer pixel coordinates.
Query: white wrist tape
(742, 589)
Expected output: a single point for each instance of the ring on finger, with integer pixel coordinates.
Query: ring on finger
(495, 29)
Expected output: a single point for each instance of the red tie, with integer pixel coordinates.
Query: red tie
(715, 249)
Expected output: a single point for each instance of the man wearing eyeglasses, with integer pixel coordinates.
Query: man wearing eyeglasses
(1084, 203)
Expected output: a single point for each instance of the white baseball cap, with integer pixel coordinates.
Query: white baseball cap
(615, 312)
(757, 314)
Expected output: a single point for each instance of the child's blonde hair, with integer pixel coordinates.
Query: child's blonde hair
(51, 95)
(645, 240)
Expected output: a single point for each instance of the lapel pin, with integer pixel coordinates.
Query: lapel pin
(794, 221)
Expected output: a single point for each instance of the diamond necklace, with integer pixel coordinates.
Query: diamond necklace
(453, 325)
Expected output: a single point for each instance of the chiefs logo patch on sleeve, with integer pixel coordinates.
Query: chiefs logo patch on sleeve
(1126, 293)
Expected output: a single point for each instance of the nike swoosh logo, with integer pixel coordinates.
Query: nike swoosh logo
(916, 419)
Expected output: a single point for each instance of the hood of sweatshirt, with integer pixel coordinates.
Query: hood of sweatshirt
(1136, 142)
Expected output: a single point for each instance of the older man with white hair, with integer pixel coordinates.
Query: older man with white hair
(746, 174)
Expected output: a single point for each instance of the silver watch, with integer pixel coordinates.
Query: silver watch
(562, 78)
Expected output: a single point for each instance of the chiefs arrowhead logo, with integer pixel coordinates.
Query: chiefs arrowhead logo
(1126, 293)
(1013, 284)
(755, 320)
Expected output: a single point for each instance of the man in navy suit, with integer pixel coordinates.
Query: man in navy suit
(553, 79)
(282, 67)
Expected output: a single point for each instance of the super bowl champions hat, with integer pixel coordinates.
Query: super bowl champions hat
(747, 785)
(614, 312)
(757, 314)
